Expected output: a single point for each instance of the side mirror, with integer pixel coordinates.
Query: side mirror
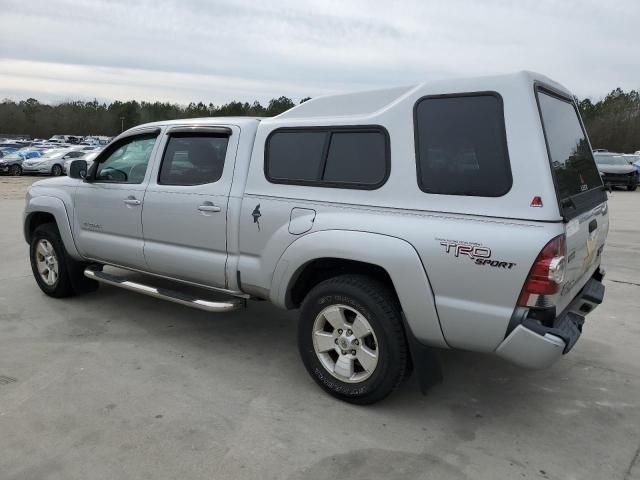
(78, 169)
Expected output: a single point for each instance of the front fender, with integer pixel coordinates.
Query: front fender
(57, 208)
(399, 259)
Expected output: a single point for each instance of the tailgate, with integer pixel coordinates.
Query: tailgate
(581, 195)
(586, 235)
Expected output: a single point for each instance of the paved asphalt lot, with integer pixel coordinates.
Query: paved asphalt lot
(114, 385)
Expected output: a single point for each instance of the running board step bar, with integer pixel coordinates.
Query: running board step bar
(166, 294)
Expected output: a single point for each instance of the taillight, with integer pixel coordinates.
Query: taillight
(546, 275)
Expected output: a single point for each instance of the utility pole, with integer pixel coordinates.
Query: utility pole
(121, 124)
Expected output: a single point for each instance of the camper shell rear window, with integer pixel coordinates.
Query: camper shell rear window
(577, 180)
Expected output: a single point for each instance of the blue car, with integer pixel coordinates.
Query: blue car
(12, 162)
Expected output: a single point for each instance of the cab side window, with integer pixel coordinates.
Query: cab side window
(193, 159)
(127, 161)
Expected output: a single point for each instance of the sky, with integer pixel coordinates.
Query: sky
(222, 50)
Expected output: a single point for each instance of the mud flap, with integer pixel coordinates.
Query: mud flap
(425, 362)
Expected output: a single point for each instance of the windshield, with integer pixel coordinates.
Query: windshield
(611, 160)
(569, 150)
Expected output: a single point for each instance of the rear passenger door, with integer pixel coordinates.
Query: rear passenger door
(185, 210)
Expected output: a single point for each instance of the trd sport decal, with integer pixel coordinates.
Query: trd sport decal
(479, 254)
(256, 215)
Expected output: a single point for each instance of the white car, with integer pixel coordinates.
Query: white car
(88, 157)
(51, 162)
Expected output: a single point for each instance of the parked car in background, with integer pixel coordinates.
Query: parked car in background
(616, 170)
(7, 150)
(87, 157)
(11, 144)
(12, 162)
(633, 159)
(49, 163)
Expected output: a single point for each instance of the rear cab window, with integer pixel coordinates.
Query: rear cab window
(578, 183)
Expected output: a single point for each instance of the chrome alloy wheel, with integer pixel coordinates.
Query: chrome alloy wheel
(345, 343)
(47, 262)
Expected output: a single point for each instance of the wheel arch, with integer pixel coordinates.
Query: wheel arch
(317, 270)
(387, 258)
(46, 209)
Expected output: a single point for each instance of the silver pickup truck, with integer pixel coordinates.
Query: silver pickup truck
(466, 214)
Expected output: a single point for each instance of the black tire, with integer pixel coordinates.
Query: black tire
(632, 188)
(379, 306)
(15, 170)
(56, 170)
(70, 279)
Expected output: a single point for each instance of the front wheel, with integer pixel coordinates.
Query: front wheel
(56, 171)
(55, 272)
(351, 338)
(15, 170)
(632, 188)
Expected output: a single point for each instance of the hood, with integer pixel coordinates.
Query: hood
(616, 168)
(55, 182)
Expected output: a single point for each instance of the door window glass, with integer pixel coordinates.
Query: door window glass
(127, 161)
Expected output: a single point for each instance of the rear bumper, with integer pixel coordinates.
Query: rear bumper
(534, 345)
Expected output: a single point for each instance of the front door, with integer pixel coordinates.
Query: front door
(108, 206)
(185, 205)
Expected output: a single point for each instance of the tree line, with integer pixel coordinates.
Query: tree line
(612, 122)
(41, 120)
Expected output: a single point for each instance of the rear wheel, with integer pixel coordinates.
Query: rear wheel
(56, 171)
(57, 274)
(632, 188)
(351, 338)
(15, 170)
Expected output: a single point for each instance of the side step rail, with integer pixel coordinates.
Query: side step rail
(166, 294)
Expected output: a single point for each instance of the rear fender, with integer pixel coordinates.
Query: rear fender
(397, 257)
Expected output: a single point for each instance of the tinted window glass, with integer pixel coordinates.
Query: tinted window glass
(296, 155)
(193, 159)
(461, 146)
(353, 157)
(356, 157)
(571, 157)
(127, 162)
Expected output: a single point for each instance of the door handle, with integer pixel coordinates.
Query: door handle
(132, 201)
(209, 207)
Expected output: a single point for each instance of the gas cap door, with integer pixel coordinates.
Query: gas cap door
(301, 220)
